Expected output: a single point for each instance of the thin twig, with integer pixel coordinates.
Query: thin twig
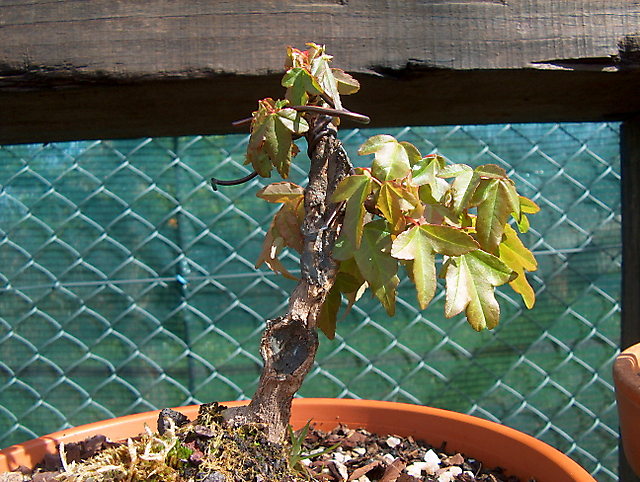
(217, 182)
(316, 109)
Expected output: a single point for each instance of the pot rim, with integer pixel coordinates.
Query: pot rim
(328, 412)
(626, 371)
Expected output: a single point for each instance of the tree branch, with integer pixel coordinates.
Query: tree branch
(289, 343)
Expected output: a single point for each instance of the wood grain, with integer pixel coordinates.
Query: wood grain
(75, 70)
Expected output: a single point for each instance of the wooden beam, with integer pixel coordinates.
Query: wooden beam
(630, 169)
(108, 69)
(208, 106)
(183, 38)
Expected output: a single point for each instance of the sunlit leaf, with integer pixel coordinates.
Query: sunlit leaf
(354, 190)
(517, 257)
(493, 213)
(271, 248)
(491, 171)
(322, 71)
(528, 206)
(281, 192)
(278, 144)
(346, 84)
(412, 153)
(271, 140)
(513, 198)
(262, 124)
(470, 282)
(426, 169)
(453, 170)
(391, 159)
(261, 163)
(374, 144)
(393, 201)
(300, 83)
(376, 264)
(420, 244)
(463, 188)
(292, 120)
(296, 58)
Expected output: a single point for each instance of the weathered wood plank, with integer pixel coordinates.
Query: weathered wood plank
(189, 38)
(208, 106)
(75, 70)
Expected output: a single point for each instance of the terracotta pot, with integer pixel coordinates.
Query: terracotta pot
(626, 378)
(493, 444)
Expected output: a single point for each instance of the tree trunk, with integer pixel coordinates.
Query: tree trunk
(289, 343)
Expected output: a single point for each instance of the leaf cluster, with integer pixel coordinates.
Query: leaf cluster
(310, 81)
(437, 220)
(418, 212)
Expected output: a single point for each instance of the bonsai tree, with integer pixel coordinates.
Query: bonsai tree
(355, 227)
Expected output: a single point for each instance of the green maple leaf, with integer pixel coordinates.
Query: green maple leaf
(322, 71)
(376, 264)
(300, 83)
(393, 201)
(328, 316)
(470, 282)
(354, 190)
(278, 144)
(517, 257)
(345, 283)
(463, 188)
(527, 206)
(498, 199)
(272, 137)
(292, 120)
(392, 158)
(420, 244)
(425, 171)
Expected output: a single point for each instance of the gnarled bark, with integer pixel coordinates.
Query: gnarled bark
(290, 342)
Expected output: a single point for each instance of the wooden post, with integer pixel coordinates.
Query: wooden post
(630, 323)
(630, 160)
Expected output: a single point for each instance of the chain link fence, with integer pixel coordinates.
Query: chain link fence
(127, 284)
